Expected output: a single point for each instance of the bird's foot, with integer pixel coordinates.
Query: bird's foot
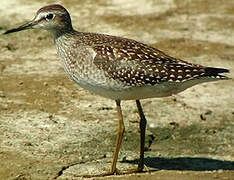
(114, 172)
(117, 172)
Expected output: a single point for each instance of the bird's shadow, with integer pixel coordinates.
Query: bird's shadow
(185, 163)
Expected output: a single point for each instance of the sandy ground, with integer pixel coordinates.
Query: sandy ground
(51, 128)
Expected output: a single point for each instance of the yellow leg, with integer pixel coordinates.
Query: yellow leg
(142, 136)
(121, 128)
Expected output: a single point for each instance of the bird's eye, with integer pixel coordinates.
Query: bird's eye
(49, 17)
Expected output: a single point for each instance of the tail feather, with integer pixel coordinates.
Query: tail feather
(215, 71)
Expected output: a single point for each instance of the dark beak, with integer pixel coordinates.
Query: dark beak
(28, 25)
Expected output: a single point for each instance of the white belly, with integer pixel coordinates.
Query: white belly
(133, 93)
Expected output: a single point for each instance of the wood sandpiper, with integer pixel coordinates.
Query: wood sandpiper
(118, 68)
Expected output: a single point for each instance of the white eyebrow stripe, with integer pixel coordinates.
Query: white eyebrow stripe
(40, 15)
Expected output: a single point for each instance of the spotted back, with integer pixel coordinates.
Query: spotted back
(137, 64)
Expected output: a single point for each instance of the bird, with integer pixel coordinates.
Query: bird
(118, 68)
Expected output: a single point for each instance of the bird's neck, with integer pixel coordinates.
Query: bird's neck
(61, 32)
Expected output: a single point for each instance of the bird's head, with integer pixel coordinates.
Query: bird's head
(54, 18)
